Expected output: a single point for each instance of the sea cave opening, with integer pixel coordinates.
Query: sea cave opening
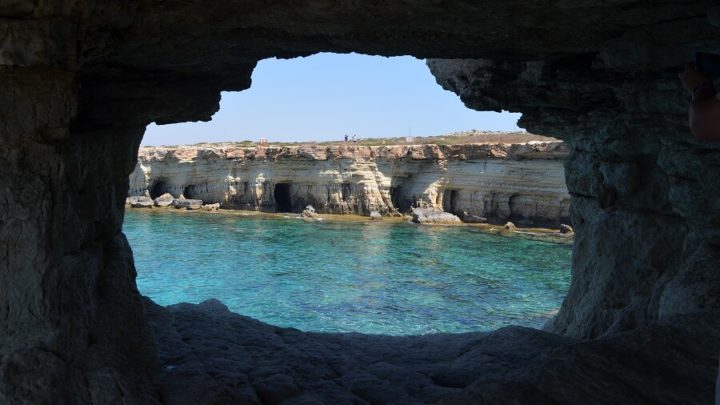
(401, 201)
(191, 192)
(345, 191)
(450, 201)
(283, 197)
(315, 274)
(158, 188)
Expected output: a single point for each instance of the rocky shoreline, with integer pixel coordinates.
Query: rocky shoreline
(475, 183)
(555, 235)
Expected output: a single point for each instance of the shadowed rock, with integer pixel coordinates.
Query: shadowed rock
(211, 355)
(81, 81)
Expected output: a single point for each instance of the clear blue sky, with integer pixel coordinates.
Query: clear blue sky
(324, 96)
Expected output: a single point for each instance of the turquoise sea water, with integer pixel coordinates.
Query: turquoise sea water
(373, 277)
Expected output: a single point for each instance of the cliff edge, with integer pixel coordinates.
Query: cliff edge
(520, 182)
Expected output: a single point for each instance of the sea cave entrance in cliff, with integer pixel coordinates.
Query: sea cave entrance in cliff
(283, 198)
(191, 192)
(158, 188)
(450, 201)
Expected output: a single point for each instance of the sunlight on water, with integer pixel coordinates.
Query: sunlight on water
(373, 277)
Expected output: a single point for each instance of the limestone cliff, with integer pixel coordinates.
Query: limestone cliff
(522, 182)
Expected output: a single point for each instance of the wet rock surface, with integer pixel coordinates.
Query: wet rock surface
(211, 355)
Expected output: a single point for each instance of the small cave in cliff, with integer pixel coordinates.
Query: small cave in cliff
(283, 199)
(158, 188)
(345, 191)
(399, 200)
(450, 201)
(191, 192)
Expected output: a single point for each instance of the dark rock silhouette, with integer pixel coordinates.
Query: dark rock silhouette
(80, 81)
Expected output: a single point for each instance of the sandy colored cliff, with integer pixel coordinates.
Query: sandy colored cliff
(521, 182)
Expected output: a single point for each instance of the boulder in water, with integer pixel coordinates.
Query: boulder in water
(309, 212)
(164, 200)
(472, 218)
(140, 202)
(509, 226)
(564, 228)
(375, 215)
(430, 216)
(188, 204)
(211, 207)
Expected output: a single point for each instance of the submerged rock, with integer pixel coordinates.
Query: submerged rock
(140, 202)
(188, 204)
(430, 216)
(164, 200)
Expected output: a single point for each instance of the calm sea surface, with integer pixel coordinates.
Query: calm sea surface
(396, 279)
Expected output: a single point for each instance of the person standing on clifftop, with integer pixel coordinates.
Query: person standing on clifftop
(346, 138)
(704, 111)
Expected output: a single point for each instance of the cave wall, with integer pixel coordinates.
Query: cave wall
(80, 80)
(647, 243)
(67, 272)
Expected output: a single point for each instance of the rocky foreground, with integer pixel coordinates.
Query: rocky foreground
(210, 355)
(479, 182)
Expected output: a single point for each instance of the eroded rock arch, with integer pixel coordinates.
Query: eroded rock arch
(81, 80)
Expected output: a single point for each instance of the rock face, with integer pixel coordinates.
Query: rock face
(473, 219)
(431, 216)
(211, 207)
(522, 181)
(81, 80)
(640, 195)
(188, 203)
(164, 200)
(140, 202)
(211, 355)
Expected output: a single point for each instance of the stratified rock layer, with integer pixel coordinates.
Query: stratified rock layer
(81, 79)
(525, 182)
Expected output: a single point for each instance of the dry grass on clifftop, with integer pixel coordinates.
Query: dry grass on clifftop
(455, 138)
